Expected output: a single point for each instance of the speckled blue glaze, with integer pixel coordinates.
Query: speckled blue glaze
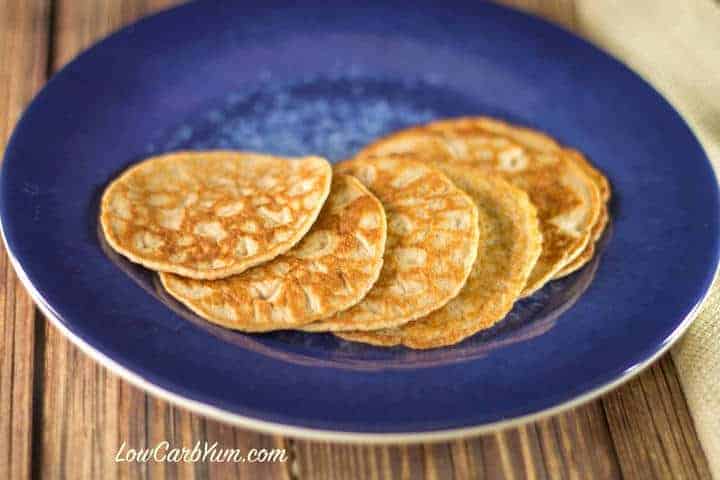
(319, 79)
(322, 115)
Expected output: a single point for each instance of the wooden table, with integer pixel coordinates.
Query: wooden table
(64, 416)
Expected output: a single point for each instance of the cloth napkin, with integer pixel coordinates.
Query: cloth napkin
(676, 47)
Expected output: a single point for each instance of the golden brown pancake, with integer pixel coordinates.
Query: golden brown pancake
(331, 269)
(209, 215)
(600, 180)
(599, 227)
(567, 198)
(431, 247)
(544, 143)
(587, 254)
(509, 245)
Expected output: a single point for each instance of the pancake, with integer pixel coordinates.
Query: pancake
(599, 226)
(209, 215)
(587, 254)
(567, 198)
(544, 143)
(600, 180)
(331, 269)
(431, 247)
(509, 245)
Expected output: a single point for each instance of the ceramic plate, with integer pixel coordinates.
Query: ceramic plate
(279, 78)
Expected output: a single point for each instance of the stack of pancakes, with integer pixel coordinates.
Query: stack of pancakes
(422, 239)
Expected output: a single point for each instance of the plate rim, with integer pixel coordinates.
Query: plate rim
(339, 436)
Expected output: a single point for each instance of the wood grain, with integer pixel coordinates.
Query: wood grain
(575, 444)
(561, 12)
(23, 57)
(83, 413)
(652, 409)
(100, 411)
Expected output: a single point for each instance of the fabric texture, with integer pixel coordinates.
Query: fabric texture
(676, 47)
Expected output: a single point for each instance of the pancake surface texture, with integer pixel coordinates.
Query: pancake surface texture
(587, 254)
(509, 246)
(431, 247)
(561, 187)
(599, 227)
(331, 269)
(208, 215)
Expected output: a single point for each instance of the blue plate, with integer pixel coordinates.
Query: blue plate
(319, 79)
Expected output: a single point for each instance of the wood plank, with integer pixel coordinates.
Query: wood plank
(327, 461)
(91, 410)
(23, 57)
(648, 418)
(99, 411)
(561, 12)
(651, 427)
(575, 444)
